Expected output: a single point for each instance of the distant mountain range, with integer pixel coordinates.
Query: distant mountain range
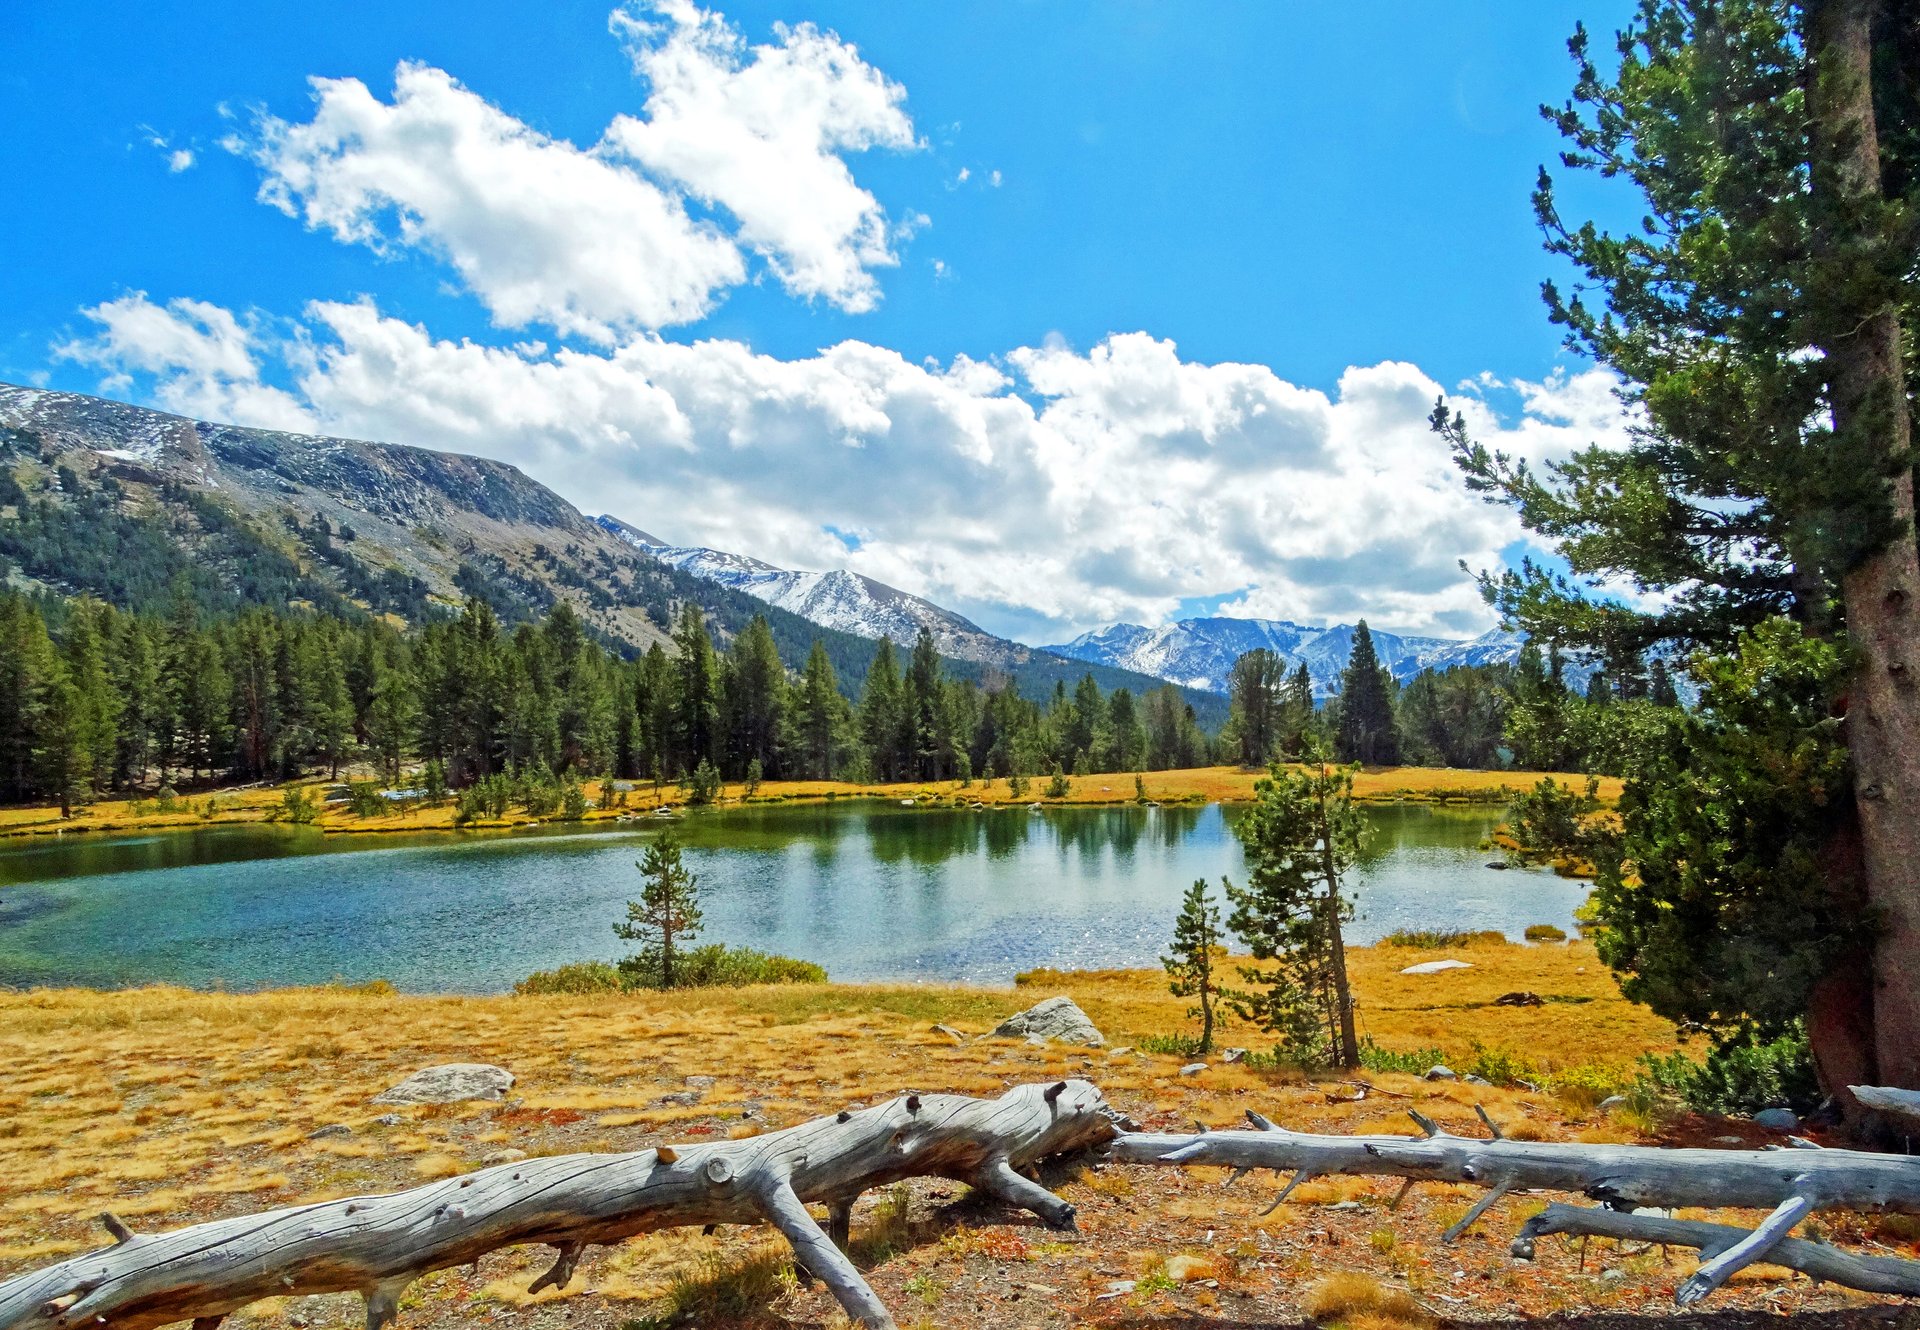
(1199, 653)
(127, 503)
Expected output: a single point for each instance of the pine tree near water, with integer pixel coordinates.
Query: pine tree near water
(1761, 315)
(1301, 834)
(664, 919)
(1366, 733)
(1197, 940)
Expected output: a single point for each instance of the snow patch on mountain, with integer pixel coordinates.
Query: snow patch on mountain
(1200, 652)
(838, 599)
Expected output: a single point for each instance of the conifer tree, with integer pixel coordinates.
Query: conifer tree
(1254, 690)
(696, 692)
(1366, 733)
(821, 717)
(665, 918)
(881, 713)
(756, 699)
(1301, 834)
(1189, 961)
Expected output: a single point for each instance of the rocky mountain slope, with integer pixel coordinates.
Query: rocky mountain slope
(1199, 653)
(131, 505)
(845, 601)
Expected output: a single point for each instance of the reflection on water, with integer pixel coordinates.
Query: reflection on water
(869, 891)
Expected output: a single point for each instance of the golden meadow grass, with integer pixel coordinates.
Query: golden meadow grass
(1198, 785)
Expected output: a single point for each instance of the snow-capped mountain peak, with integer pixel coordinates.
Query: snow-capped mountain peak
(1200, 652)
(842, 600)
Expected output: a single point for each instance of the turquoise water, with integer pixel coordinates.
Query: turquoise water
(870, 891)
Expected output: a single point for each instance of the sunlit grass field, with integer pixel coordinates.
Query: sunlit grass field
(1197, 785)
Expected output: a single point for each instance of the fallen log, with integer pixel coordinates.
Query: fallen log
(1870, 1274)
(1788, 1183)
(377, 1245)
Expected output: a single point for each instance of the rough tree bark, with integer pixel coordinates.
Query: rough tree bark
(377, 1245)
(1791, 1184)
(1868, 385)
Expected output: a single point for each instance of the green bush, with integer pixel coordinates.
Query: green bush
(1545, 933)
(1173, 1045)
(1375, 1058)
(1741, 1075)
(1502, 1066)
(1434, 939)
(1058, 787)
(580, 977)
(717, 965)
(363, 798)
(296, 805)
(573, 801)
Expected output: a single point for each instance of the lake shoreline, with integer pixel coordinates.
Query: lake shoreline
(1197, 786)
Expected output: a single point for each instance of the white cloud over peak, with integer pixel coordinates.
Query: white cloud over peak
(1053, 488)
(612, 239)
(760, 131)
(200, 358)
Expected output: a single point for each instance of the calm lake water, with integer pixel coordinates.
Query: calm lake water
(869, 891)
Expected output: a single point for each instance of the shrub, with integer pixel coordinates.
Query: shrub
(1551, 821)
(1058, 786)
(363, 798)
(167, 801)
(580, 977)
(296, 805)
(1375, 1058)
(717, 965)
(1502, 1066)
(1017, 785)
(1434, 939)
(1740, 1075)
(1545, 933)
(1170, 1045)
(573, 801)
(704, 785)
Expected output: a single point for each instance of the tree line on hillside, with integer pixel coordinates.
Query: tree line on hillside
(94, 699)
(1523, 715)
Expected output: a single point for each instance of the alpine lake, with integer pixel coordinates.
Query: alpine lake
(870, 890)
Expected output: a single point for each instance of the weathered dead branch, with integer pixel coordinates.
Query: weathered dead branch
(377, 1245)
(1789, 1183)
(1870, 1274)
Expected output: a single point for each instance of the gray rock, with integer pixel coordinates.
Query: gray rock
(506, 1156)
(1057, 1018)
(1471, 1079)
(700, 1082)
(452, 1083)
(1886, 1099)
(1441, 1072)
(1777, 1119)
(1612, 1102)
(388, 1120)
(1233, 1055)
(1193, 1069)
(949, 1032)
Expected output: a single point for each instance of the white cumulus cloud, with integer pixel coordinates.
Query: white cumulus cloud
(760, 131)
(1051, 490)
(540, 230)
(200, 359)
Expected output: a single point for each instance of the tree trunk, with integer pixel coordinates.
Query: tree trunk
(1868, 385)
(377, 1245)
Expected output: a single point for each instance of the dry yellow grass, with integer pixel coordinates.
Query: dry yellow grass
(1198, 785)
(167, 1106)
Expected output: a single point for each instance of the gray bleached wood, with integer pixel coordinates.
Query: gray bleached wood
(1871, 1274)
(1791, 1184)
(377, 1245)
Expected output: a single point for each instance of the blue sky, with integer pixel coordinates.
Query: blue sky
(1133, 302)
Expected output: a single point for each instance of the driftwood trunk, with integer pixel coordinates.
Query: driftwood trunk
(377, 1245)
(1789, 1183)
